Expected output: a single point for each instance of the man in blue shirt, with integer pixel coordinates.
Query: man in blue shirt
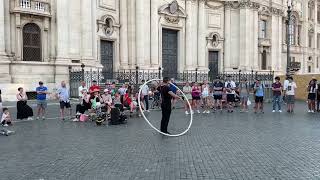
(64, 99)
(42, 92)
(173, 89)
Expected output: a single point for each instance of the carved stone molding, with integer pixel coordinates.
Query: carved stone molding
(172, 19)
(242, 4)
(172, 9)
(207, 3)
(214, 39)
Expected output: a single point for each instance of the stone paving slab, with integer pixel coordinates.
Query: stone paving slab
(218, 146)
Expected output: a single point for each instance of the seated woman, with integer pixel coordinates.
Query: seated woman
(83, 106)
(127, 101)
(117, 102)
(106, 99)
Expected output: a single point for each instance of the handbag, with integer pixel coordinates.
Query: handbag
(249, 102)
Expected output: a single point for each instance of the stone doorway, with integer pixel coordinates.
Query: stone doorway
(106, 50)
(213, 64)
(170, 53)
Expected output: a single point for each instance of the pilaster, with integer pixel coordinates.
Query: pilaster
(154, 33)
(202, 36)
(124, 34)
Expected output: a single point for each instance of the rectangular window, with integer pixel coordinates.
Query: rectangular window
(310, 40)
(25, 4)
(263, 29)
(309, 69)
(318, 15)
(318, 41)
(299, 33)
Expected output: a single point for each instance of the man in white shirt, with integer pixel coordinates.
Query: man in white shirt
(145, 95)
(83, 88)
(285, 85)
(230, 88)
(290, 94)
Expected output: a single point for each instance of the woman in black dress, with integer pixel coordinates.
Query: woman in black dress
(23, 110)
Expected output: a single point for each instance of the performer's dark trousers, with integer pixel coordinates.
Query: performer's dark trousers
(166, 112)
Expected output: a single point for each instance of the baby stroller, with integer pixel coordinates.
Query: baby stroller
(156, 103)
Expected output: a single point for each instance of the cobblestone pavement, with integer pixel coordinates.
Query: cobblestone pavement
(218, 146)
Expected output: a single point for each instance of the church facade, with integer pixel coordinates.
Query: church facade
(41, 39)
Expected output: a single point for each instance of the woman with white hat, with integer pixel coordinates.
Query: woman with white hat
(107, 100)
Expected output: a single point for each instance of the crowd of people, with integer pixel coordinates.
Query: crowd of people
(209, 97)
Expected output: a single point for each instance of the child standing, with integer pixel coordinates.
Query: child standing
(259, 93)
(290, 94)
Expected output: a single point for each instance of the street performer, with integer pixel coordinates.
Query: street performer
(166, 96)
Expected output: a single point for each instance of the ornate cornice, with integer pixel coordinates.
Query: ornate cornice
(242, 4)
(248, 4)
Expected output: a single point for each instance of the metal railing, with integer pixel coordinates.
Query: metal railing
(135, 77)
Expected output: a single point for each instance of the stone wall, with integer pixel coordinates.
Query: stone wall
(302, 82)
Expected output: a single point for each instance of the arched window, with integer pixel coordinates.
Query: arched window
(31, 42)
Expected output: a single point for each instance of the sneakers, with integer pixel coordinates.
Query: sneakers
(198, 111)
(43, 118)
(5, 125)
(30, 118)
(38, 118)
(208, 112)
(187, 113)
(309, 111)
(273, 111)
(280, 111)
(204, 112)
(75, 120)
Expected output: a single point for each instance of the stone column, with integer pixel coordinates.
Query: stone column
(46, 40)
(123, 34)
(194, 31)
(147, 36)
(245, 34)
(2, 31)
(62, 29)
(18, 38)
(154, 34)
(227, 42)
(255, 63)
(131, 33)
(202, 36)
(140, 33)
(189, 35)
(87, 28)
(94, 30)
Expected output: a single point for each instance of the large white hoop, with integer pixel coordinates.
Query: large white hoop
(145, 118)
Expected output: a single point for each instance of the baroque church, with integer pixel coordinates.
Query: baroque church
(42, 39)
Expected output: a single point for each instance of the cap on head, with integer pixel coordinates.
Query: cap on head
(40, 83)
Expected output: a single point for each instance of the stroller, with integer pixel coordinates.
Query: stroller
(156, 103)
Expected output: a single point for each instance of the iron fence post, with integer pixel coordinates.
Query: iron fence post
(70, 68)
(239, 76)
(196, 74)
(159, 73)
(137, 77)
(82, 71)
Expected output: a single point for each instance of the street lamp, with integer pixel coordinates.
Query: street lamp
(289, 11)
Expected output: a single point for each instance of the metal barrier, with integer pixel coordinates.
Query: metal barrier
(135, 77)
